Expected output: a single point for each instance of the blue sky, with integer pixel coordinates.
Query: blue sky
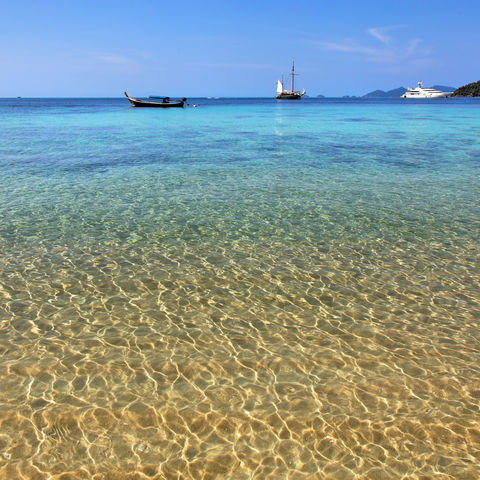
(222, 48)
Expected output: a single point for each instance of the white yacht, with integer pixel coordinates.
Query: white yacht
(421, 92)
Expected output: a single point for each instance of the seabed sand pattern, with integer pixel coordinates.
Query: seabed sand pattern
(314, 331)
(211, 363)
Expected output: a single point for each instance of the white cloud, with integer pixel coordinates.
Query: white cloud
(143, 53)
(257, 66)
(113, 59)
(379, 55)
(380, 34)
(412, 47)
(350, 47)
(390, 52)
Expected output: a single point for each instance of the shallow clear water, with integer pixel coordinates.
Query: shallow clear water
(248, 289)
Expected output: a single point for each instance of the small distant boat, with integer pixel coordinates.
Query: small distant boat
(165, 103)
(421, 92)
(292, 94)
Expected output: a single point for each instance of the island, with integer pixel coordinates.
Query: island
(395, 93)
(469, 90)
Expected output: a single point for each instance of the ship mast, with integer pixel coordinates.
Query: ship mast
(293, 72)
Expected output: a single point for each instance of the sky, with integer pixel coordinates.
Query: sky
(224, 48)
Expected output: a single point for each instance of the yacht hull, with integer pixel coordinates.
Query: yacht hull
(439, 95)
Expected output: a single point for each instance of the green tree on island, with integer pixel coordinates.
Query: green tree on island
(470, 90)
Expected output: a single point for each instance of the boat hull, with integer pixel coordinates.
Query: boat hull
(289, 96)
(135, 102)
(435, 95)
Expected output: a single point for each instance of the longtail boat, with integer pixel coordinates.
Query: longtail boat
(165, 103)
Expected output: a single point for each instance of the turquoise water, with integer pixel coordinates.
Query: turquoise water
(243, 289)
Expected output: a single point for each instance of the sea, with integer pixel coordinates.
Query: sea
(240, 289)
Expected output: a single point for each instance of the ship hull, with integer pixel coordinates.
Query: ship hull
(435, 95)
(289, 96)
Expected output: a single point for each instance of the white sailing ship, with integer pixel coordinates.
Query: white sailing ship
(292, 94)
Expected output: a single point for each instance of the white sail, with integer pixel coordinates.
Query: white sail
(279, 87)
